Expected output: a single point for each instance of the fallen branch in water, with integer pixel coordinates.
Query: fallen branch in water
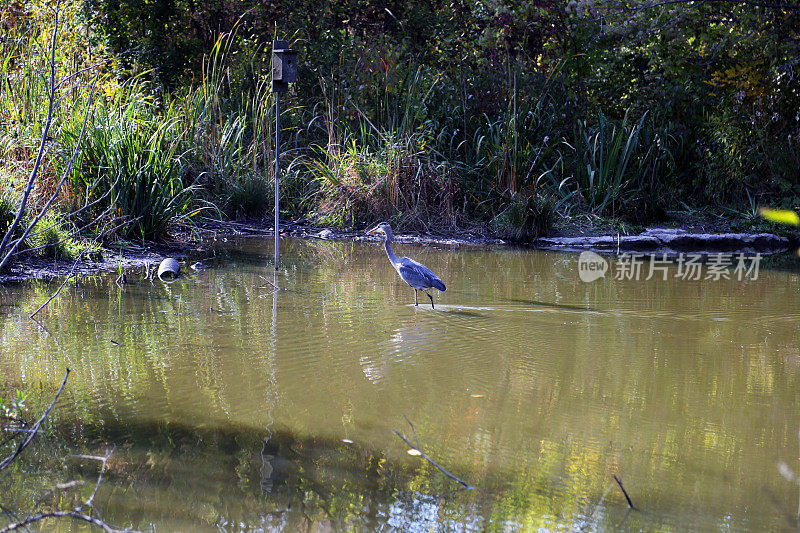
(630, 503)
(60, 487)
(76, 513)
(104, 461)
(431, 461)
(34, 429)
(60, 514)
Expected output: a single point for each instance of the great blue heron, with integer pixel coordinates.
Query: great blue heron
(417, 275)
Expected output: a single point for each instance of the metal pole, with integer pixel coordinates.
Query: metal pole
(277, 172)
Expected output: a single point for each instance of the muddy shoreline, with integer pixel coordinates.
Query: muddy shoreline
(145, 257)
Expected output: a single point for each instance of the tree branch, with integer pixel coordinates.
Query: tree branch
(43, 211)
(431, 461)
(42, 142)
(630, 503)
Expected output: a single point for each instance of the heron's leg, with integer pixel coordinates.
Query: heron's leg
(416, 303)
(431, 297)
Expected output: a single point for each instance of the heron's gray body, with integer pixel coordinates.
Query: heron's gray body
(417, 275)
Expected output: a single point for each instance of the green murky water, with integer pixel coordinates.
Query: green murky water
(233, 407)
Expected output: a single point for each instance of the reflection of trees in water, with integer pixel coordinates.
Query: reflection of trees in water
(184, 479)
(155, 323)
(672, 373)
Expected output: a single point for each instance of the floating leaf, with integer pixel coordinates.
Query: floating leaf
(414, 452)
(347, 441)
(477, 396)
(782, 216)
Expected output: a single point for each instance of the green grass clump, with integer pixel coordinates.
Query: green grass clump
(383, 176)
(131, 170)
(526, 217)
(603, 153)
(620, 169)
(248, 197)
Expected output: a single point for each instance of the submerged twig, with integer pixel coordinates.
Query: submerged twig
(431, 461)
(272, 284)
(58, 291)
(104, 461)
(76, 513)
(18, 430)
(275, 288)
(59, 487)
(413, 430)
(624, 492)
(9, 513)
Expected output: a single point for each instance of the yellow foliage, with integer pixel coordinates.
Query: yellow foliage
(748, 78)
(781, 216)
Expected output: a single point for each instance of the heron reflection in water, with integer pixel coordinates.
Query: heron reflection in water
(417, 275)
(274, 468)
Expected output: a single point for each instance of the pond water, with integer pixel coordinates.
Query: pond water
(236, 407)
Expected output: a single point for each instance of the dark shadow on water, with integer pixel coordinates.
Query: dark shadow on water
(176, 474)
(536, 303)
(783, 262)
(461, 312)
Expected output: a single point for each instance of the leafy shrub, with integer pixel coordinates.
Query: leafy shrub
(51, 237)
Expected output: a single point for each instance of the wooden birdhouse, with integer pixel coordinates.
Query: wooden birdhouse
(284, 66)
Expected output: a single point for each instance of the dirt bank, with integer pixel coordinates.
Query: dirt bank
(653, 240)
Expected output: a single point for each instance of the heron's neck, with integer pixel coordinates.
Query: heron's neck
(392, 257)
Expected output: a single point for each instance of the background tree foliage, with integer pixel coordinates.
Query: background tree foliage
(425, 112)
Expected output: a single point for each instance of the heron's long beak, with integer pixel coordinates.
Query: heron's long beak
(374, 230)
